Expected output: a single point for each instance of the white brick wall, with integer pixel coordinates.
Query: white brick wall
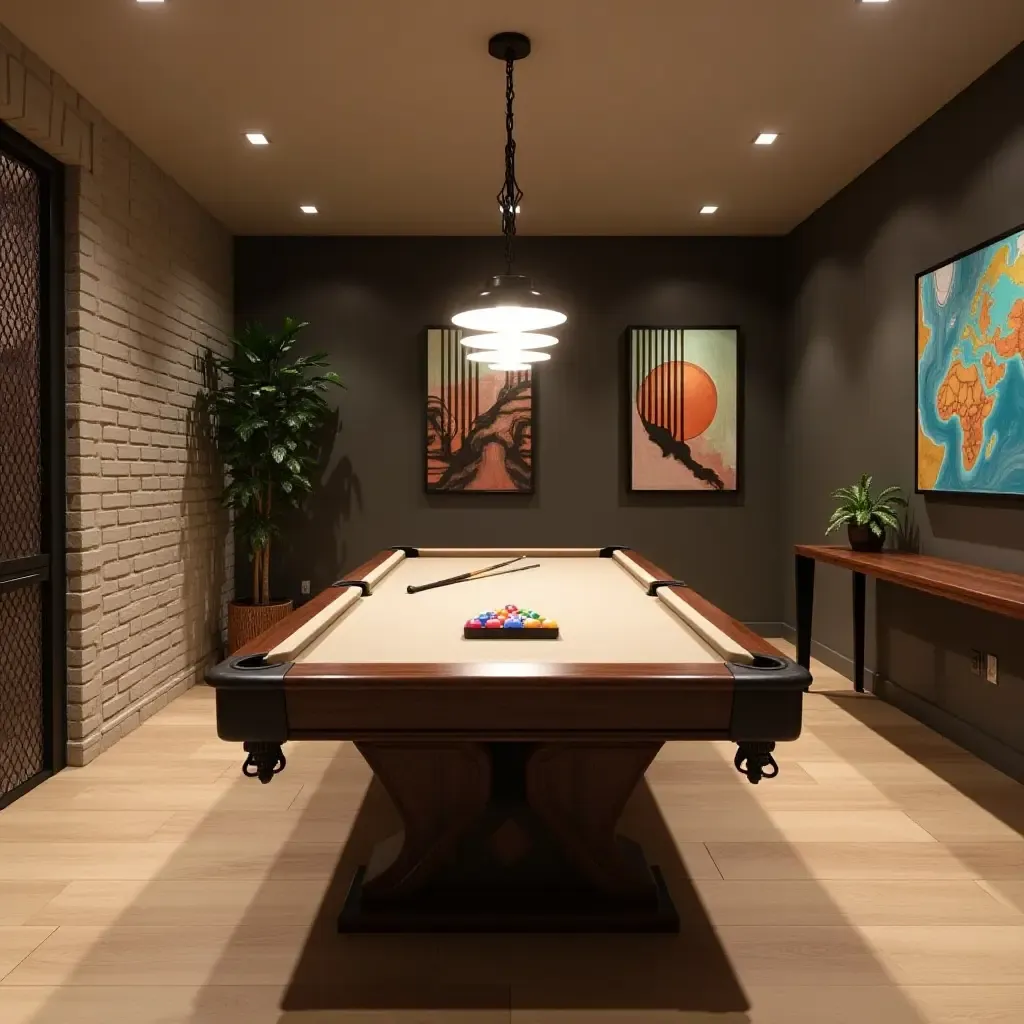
(149, 279)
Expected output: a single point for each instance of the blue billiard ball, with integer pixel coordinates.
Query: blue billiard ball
(511, 623)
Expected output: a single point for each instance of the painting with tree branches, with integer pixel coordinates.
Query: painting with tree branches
(479, 421)
(684, 408)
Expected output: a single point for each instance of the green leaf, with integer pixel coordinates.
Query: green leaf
(267, 405)
(887, 518)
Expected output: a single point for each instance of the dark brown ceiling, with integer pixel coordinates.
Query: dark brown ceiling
(631, 113)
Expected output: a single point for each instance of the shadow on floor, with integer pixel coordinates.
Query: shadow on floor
(987, 788)
(688, 971)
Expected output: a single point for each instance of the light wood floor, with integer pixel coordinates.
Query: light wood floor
(879, 879)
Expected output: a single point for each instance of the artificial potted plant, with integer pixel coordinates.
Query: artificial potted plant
(268, 406)
(865, 515)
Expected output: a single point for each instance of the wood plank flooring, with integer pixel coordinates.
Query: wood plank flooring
(880, 877)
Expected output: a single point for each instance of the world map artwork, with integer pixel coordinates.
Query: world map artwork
(970, 372)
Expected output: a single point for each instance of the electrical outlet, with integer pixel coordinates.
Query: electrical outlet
(977, 663)
(992, 669)
(304, 587)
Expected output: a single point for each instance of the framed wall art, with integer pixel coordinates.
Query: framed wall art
(480, 422)
(683, 416)
(970, 371)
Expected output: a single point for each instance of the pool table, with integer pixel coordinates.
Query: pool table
(509, 762)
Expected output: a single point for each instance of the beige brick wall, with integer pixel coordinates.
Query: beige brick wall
(149, 283)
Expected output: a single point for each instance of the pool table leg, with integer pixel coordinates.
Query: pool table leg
(579, 792)
(508, 836)
(439, 791)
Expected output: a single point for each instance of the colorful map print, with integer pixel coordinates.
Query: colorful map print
(970, 372)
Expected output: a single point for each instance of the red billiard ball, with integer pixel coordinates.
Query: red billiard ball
(474, 624)
(494, 623)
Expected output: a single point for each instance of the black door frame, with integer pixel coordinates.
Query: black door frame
(48, 567)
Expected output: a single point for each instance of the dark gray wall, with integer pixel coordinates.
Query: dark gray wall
(957, 181)
(368, 301)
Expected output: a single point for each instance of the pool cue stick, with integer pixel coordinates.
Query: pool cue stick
(462, 576)
(505, 572)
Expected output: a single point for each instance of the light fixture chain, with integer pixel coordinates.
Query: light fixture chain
(510, 195)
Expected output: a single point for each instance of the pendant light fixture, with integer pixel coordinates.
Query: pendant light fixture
(508, 307)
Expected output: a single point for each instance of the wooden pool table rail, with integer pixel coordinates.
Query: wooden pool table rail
(280, 631)
(734, 630)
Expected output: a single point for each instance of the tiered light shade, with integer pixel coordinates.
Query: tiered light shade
(521, 358)
(509, 350)
(508, 304)
(509, 340)
(510, 310)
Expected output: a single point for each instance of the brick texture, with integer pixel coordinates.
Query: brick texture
(149, 283)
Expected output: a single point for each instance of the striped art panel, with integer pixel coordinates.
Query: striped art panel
(684, 401)
(479, 421)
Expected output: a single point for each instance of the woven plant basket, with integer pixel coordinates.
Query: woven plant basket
(246, 621)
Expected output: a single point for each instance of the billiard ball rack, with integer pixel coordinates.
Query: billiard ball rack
(510, 623)
(534, 633)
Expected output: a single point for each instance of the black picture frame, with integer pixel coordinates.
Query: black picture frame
(988, 496)
(628, 399)
(435, 492)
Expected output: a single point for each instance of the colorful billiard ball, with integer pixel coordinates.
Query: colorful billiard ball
(549, 624)
(474, 624)
(493, 624)
(513, 624)
(511, 608)
(531, 623)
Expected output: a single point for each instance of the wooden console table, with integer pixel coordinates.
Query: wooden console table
(995, 591)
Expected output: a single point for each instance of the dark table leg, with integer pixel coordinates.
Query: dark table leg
(804, 608)
(858, 631)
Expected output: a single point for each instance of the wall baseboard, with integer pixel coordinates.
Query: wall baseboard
(768, 629)
(833, 659)
(81, 751)
(964, 734)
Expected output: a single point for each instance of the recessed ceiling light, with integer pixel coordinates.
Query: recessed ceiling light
(707, 210)
(257, 138)
(309, 209)
(766, 138)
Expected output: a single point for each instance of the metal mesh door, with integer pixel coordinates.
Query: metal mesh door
(22, 721)
(24, 560)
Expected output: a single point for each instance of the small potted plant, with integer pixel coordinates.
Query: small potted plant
(267, 407)
(865, 515)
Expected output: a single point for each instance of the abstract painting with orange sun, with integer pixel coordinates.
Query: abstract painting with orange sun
(683, 408)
